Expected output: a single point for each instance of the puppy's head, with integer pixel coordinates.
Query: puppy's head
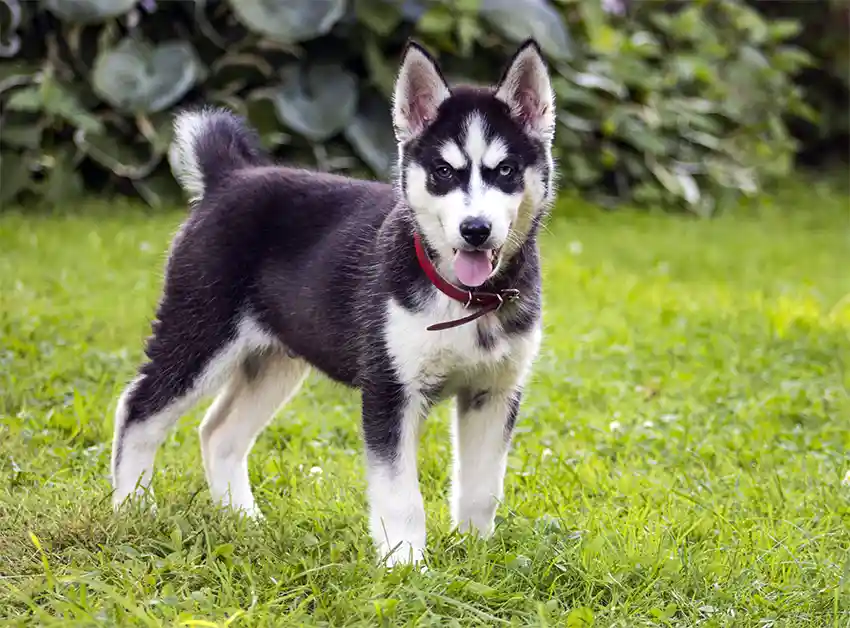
(475, 163)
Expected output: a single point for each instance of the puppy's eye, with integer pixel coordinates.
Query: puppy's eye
(506, 170)
(443, 171)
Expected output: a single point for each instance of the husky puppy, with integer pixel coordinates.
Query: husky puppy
(412, 293)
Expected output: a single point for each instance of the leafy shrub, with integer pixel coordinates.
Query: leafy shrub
(663, 103)
(825, 35)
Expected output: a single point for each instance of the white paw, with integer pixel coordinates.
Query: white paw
(144, 498)
(482, 529)
(253, 513)
(248, 510)
(403, 554)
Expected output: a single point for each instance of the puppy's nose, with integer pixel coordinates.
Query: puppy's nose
(475, 230)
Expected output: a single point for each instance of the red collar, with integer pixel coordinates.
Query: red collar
(487, 301)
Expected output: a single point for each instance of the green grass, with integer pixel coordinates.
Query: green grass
(679, 460)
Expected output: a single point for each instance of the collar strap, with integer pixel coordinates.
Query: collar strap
(486, 301)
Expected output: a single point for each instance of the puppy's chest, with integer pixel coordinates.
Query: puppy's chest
(471, 350)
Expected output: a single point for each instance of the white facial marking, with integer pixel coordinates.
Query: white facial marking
(440, 216)
(477, 151)
(496, 152)
(483, 200)
(475, 145)
(453, 155)
(476, 138)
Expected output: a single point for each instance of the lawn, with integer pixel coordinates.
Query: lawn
(680, 459)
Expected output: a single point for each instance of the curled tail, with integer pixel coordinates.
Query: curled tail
(209, 144)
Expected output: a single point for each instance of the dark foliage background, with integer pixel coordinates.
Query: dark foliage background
(681, 104)
(825, 26)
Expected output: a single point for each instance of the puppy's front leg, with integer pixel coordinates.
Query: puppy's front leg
(391, 418)
(482, 428)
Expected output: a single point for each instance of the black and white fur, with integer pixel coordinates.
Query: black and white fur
(280, 269)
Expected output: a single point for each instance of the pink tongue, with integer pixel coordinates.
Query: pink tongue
(472, 267)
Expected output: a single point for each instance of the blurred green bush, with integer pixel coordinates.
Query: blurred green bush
(664, 103)
(825, 34)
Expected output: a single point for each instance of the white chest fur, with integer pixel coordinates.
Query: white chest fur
(455, 356)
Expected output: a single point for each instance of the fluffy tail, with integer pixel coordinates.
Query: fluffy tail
(208, 144)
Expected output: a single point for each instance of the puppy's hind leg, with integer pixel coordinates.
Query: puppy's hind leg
(174, 380)
(264, 381)
(147, 410)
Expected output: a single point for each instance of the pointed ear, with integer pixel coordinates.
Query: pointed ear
(526, 89)
(419, 90)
